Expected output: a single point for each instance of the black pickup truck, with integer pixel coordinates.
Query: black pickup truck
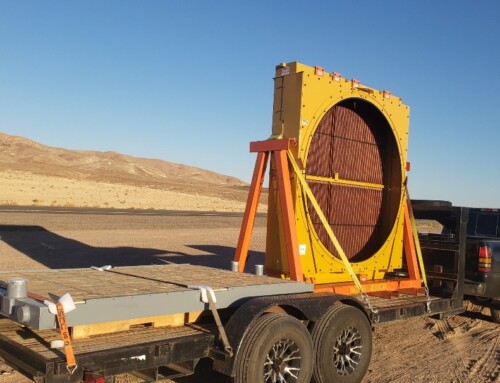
(436, 223)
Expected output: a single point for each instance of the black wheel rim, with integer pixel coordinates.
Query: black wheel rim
(347, 351)
(282, 364)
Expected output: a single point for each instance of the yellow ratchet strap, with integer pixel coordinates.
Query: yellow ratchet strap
(325, 223)
(415, 238)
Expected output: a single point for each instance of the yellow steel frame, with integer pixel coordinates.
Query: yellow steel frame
(303, 95)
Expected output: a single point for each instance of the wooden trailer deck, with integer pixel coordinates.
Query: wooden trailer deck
(86, 284)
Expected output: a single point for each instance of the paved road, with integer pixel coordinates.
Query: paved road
(91, 211)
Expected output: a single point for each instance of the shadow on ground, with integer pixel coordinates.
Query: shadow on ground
(205, 374)
(57, 252)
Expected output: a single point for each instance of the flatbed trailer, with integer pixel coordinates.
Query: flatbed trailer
(147, 351)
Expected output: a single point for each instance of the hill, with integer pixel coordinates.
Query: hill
(36, 174)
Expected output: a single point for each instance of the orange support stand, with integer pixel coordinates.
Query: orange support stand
(251, 210)
(278, 149)
(285, 193)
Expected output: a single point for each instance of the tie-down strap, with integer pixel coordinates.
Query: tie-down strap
(208, 296)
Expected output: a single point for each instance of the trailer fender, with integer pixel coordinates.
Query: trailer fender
(308, 307)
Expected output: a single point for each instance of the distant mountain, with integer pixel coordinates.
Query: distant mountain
(22, 154)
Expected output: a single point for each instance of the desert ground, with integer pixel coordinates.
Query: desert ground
(464, 348)
(31, 189)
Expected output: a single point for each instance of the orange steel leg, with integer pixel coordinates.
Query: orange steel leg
(285, 194)
(251, 210)
(278, 148)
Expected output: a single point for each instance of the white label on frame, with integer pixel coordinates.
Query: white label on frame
(302, 249)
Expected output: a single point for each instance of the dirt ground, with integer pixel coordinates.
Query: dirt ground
(463, 348)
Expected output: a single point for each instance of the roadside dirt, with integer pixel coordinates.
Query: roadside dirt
(460, 349)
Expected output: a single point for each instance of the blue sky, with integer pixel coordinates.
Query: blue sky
(191, 81)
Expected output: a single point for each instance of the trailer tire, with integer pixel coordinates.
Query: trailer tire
(276, 348)
(342, 339)
(495, 314)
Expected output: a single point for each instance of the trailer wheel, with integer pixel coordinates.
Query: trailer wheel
(276, 349)
(342, 339)
(495, 314)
